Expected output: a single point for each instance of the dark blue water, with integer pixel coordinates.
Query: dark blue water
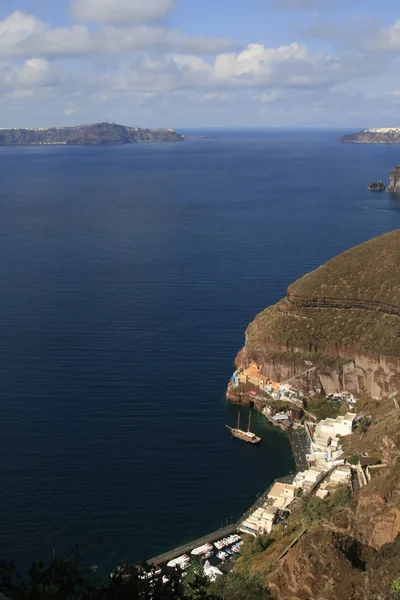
(129, 275)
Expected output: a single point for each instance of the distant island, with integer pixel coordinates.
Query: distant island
(383, 135)
(96, 134)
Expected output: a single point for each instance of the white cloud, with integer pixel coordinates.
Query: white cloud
(292, 66)
(22, 80)
(267, 97)
(23, 35)
(35, 72)
(386, 39)
(120, 11)
(137, 69)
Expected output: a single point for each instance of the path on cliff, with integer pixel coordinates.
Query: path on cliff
(371, 305)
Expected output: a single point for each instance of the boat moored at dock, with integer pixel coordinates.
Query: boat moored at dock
(181, 561)
(202, 550)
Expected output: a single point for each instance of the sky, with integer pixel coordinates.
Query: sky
(200, 63)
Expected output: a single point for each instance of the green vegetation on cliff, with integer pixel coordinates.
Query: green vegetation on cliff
(66, 579)
(351, 548)
(368, 273)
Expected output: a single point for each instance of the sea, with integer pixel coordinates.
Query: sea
(128, 277)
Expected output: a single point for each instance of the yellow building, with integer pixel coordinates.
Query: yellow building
(252, 375)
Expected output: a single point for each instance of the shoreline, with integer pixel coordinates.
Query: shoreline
(185, 548)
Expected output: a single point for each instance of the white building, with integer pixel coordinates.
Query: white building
(260, 521)
(307, 479)
(328, 429)
(282, 494)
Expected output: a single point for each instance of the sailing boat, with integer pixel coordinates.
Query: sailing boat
(246, 436)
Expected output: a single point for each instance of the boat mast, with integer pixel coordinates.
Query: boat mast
(248, 426)
(238, 420)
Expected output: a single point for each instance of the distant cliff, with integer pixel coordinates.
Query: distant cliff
(87, 135)
(384, 135)
(394, 185)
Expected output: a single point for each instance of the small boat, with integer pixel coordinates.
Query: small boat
(246, 436)
(181, 561)
(222, 555)
(229, 551)
(208, 554)
(201, 550)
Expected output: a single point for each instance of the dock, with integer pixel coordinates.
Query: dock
(162, 559)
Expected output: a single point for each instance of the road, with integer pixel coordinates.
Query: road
(299, 444)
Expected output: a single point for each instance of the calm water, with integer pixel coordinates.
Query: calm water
(129, 275)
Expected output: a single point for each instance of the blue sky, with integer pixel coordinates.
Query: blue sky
(200, 63)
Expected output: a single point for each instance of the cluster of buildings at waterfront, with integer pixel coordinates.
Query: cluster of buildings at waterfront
(326, 468)
(321, 447)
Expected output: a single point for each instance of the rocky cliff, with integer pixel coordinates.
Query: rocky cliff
(338, 327)
(87, 135)
(354, 551)
(394, 185)
(383, 135)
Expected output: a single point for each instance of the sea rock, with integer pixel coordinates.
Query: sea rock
(377, 186)
(87, 135)
(394, 185)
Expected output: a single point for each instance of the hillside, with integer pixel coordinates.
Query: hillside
(353, 550)
(383, 135)
(343, 319)
(87, 135)
(338, 328)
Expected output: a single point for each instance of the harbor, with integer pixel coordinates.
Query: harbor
(163, 559)
(319, 470)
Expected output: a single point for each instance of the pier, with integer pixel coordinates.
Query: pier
(186, 548)
(163, 559)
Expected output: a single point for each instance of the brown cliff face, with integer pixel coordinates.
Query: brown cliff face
(338, 327)
(394, 185)
(354, 553)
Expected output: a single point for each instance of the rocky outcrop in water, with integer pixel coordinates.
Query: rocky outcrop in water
(87, 135)
(394, 185)
(377, 186)
(383, 135)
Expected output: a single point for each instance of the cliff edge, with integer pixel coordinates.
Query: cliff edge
(338, 327)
